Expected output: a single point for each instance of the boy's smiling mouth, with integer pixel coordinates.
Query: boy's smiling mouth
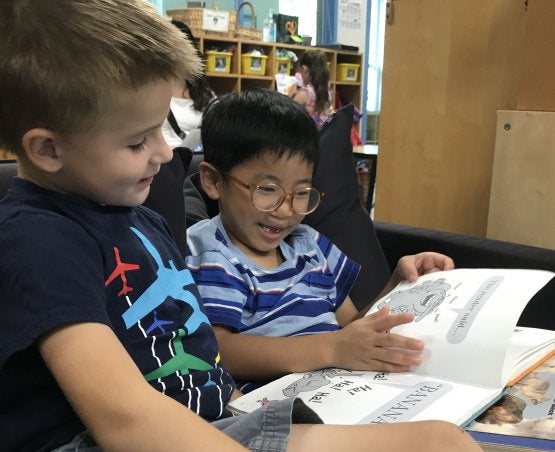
(146, 181)
(270, 228)
(272, 232)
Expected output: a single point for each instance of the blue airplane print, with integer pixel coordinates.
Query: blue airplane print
(170, 282)
(158, 324)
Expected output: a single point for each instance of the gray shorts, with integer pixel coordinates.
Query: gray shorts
(263, 430)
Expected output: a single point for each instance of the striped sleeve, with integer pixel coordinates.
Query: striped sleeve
(219, 277)
(344, 269)
(224, 292)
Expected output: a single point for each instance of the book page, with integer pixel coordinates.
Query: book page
(466, 318)
(349, 397)
(524, 349)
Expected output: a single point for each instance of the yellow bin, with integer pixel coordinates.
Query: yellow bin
(283, 65)
(253, 64)
(347, 72)
(218, 62)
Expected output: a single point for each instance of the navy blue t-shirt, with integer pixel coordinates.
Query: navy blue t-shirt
(67, 260)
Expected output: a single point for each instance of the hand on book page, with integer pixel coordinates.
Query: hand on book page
(467, 320)
(367, 344)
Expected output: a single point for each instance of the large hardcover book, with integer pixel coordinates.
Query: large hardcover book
(525, 416)
(474, 351)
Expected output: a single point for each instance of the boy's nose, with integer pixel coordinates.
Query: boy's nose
(285, 210)
(163, 153)
(168, 153)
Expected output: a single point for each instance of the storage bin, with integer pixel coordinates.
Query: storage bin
(283, 65)
(194, 18)
(253, 64)
(347, 72)
(218, 62)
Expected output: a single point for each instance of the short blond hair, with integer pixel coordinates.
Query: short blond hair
(63, 62)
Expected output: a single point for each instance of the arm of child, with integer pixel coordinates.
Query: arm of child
(362, 345)
(114, 401)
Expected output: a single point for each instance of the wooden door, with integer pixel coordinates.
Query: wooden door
(522, 206)
(449, 65)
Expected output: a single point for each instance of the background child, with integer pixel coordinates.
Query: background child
(268, 282)
(103, 338)
(313, 85)
(189, 99)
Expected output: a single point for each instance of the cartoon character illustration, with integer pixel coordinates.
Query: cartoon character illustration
(420, 300)
(314, 380)
(265, 401)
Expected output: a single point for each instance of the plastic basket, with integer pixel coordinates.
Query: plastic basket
(218, 62)
(253, 64)
(193, 18)
(347, 72)
(283, 65)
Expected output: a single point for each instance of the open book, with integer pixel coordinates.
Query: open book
(467, 319)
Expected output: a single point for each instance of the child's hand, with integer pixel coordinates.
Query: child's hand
(367, 344)
(411, 267)
(236, 394)
(291, 90)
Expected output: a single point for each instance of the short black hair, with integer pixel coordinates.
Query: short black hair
(239, 126)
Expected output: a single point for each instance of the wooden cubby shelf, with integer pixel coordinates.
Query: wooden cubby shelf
(350, 91)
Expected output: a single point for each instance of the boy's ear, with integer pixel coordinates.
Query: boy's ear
(211, 180)
(39, 146)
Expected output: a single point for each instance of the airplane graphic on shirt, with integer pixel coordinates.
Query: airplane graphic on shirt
(170, 282)
(182, 362)
(121, 268)
(158, 323)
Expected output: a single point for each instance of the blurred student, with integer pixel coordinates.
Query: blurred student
(189, 99)
(312, 89)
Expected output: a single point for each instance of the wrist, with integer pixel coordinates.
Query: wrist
(330, 348)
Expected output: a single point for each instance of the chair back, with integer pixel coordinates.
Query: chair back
(8, 170)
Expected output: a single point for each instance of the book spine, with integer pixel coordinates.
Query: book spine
(520, 443)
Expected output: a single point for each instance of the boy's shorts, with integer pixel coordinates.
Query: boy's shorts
(263, 430)
(267, 428)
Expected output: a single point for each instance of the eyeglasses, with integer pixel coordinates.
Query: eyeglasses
(269, 197)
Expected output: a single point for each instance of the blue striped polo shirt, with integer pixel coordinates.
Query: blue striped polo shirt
(298, 297)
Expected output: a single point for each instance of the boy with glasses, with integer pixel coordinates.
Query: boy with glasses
(269, 283)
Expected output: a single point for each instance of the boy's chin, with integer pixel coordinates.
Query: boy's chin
(129, 201)
(139, 199)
